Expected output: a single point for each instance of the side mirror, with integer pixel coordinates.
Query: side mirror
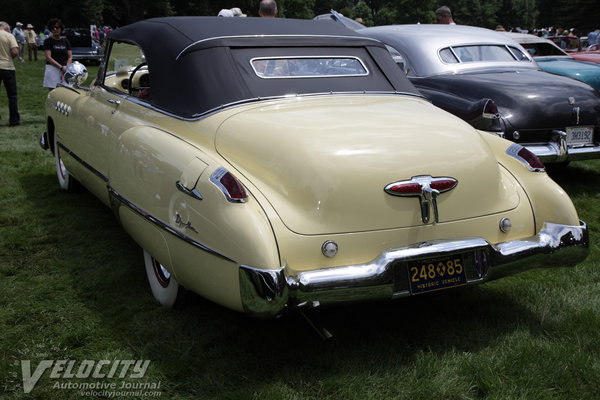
(76, 74)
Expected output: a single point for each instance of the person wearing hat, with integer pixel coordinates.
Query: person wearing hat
(20, 36)
(225, 13)
(9, 49)
(30, 37)
(237, 12)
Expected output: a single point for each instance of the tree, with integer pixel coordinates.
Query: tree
(302, 9)
(364, 12)
(580, 15)
(522, 13)
(404, 12)
(475, 12)
(129, 11)
(485, 13)
(322, 6)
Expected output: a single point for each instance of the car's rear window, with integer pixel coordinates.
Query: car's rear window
(308, 67)
(481, 53)
(79, 38)
(543, 49)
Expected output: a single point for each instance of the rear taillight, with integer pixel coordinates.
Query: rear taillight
(418, 184)
(443, 184)
(526, 157)
(490, 110)
(404, 188)
(229, 185)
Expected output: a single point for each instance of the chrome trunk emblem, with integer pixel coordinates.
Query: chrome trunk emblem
(427, 189)
(575, 112)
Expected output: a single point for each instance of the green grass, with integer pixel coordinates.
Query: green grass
(73, 286)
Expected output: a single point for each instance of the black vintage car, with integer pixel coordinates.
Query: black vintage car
(84, 47)
(459, 67)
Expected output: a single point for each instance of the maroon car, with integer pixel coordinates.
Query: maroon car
(577, 49)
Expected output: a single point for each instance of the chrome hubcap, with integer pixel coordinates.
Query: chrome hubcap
(162, 275)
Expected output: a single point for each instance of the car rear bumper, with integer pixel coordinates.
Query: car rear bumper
(87, 57)
(558, 151)
(269, 293)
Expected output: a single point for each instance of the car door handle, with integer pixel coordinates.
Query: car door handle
(191, 192)
(117, 102)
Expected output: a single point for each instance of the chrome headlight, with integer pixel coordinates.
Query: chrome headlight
(76, 74)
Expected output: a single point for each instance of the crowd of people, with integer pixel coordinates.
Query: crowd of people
(26, 36)
(58, 54)
(443, 15)
(100, 33)
(266, 9)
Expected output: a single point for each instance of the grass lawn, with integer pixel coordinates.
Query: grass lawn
(73, 287)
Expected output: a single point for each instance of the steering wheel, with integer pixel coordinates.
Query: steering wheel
(136, 69)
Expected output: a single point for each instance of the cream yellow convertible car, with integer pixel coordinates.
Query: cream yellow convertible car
(270, 165)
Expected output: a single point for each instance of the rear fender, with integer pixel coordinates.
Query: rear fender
(469, 111)
(550, 203)
(166, 182)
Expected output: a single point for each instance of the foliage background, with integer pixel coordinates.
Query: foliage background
(527, 14)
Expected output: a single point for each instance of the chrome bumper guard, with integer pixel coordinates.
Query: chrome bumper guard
(269, 293)
(557, 150)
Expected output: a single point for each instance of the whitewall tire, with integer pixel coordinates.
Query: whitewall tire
(165, 288)
(65, 179)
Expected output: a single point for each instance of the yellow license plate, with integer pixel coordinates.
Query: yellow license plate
(436, 273)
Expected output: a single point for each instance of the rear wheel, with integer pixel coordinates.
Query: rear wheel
(165, 289)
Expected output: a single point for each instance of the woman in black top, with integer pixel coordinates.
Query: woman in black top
(58, 54)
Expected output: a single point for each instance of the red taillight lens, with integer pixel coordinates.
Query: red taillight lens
(443, 184)
(490, 108)
(526, 157)
(229, 185)
(234, 188)
(531, 159)
(405, 188)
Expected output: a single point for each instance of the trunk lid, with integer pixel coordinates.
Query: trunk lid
(323, 162)
(527, 99)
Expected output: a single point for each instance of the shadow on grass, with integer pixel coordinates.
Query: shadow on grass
(205, 348)
(577, 177)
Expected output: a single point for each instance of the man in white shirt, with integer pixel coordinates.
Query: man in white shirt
(20, 36)
(9, 49)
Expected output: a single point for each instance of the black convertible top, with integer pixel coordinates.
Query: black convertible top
(198, 64)
(173, 34)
